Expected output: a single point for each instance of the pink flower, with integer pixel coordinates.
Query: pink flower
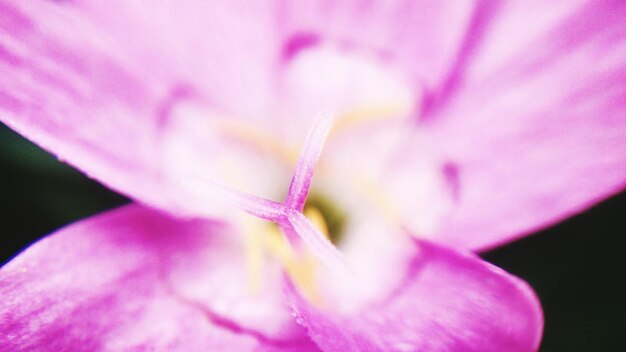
(456, 127)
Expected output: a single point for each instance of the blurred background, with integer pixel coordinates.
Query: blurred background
(577, 267)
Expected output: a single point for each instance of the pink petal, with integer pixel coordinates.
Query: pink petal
(108, 87)
(446, 301)
(88, 83)
(345, 55)
(424, 36)
(536, 130)
(134, 279)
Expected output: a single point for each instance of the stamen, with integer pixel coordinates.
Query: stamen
(254, 254)
(257, 138)
(379, 199)
(302, 269)
(365, 114)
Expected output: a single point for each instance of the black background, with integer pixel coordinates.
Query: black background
(577, 267)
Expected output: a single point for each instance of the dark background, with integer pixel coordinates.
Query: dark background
(577, 267)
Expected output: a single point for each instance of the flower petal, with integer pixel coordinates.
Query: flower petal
(348, 56)
(76, 81)
(136, 279)
(108, 87)
(424, 37)
(446, 301)
(536, 129)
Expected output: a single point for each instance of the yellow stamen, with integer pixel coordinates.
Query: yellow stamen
(301, 267)
(258, 138)
(254, 254)
(380, 199)
(365, 114)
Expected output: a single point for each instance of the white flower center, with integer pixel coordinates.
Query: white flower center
(362, 172)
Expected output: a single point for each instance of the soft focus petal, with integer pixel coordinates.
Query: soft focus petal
(143, 96)
(121, 90)
(133, 279)
(536, 128)
(446, 301)
(424, 37)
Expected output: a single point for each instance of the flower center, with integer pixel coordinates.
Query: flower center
(303, 229)
(324, 218)
(244, 161)
(328, 213)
